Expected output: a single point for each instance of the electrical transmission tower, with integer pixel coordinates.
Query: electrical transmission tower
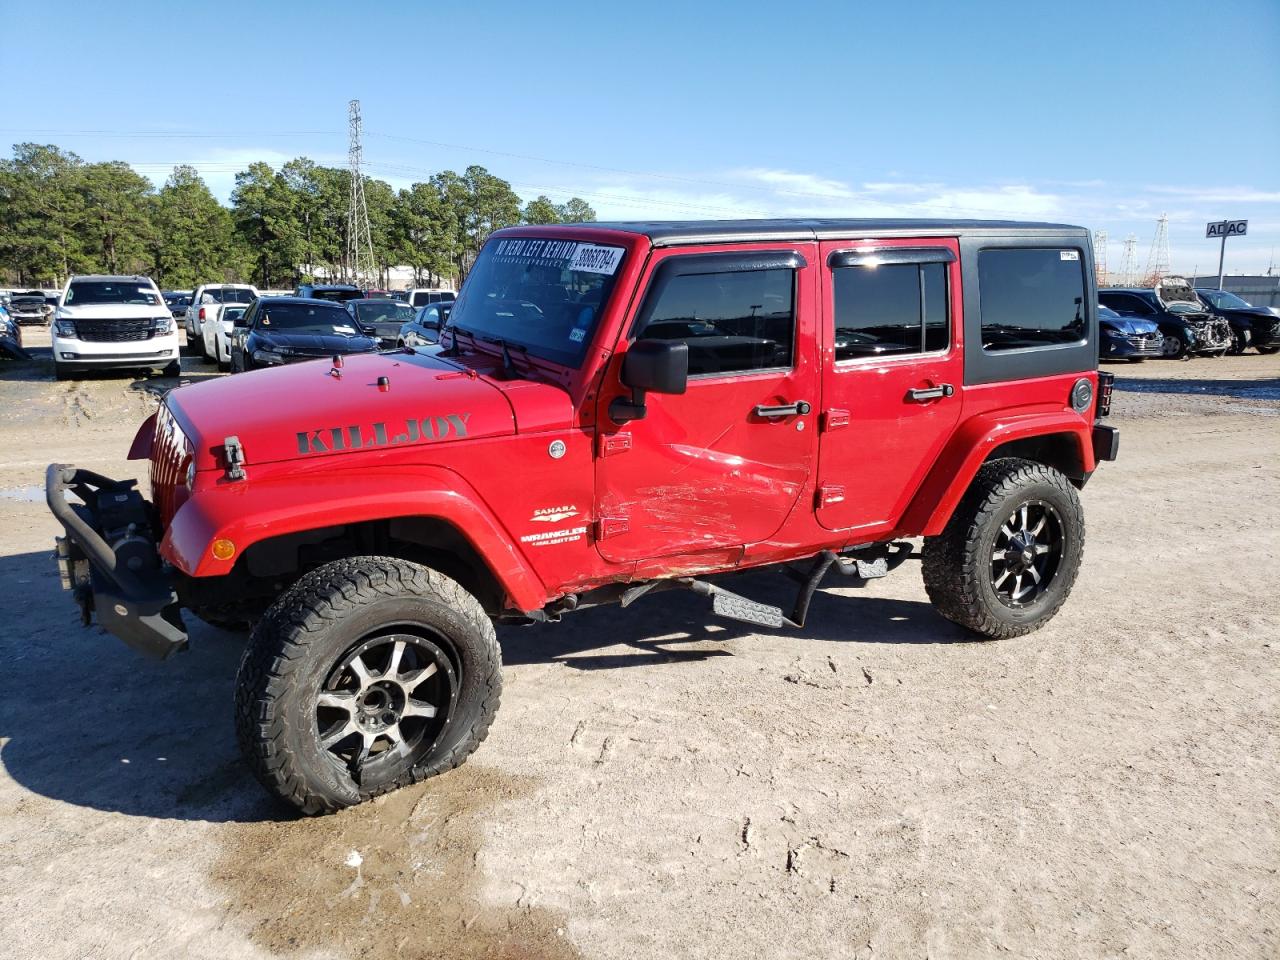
(1100, 257)
(1158, 258)
(1129, 262)
(359, 238)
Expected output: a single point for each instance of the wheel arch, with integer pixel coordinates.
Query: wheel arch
(1060, 439)
(429, 515)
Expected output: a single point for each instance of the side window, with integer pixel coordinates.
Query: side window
(890, 309)
(1031, 298)
(733, 322)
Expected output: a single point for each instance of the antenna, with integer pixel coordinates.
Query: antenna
(1100, 257)
(1158, 258)
(359, 238)
(1129, 262)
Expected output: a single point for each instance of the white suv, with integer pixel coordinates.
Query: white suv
(421, 296)
(111, 322)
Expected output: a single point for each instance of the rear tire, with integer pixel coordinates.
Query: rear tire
(1268, 350)
(335, 684)
(963, 566)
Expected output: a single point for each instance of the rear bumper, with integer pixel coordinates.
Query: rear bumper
(1106, 442)
(125, 585)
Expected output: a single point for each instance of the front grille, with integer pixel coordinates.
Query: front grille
(113, 331)
(170, 456)
(1145, 344)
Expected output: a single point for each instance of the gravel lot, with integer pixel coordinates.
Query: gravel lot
(660, 783)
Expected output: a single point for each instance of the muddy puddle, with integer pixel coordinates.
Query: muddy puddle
(402, 876)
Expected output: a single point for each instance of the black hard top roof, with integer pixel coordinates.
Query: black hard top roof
(672, 232)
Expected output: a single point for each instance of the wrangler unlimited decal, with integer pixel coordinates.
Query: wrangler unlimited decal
(359, 437)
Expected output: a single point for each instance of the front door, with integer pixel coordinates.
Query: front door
(724, 464)
(891, 386)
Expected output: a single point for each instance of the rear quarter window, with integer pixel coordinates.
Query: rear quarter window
(1031, 298)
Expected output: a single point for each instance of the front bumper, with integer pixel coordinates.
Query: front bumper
(72, 353)
(123, 582)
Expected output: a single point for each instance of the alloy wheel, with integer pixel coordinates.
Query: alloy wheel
(385, 704)
(1026, 553)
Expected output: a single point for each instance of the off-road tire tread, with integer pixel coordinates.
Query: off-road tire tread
(313, 604)
(952, 567)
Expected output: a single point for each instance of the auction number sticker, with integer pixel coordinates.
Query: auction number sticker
(590, 258)
(1069, 254)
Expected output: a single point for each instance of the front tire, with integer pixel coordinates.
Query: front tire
(367, 675)
(1009, 555)
(1174, 348)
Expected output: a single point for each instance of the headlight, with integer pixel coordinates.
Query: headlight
(65, 329)
(191, 475)
(267, 356)
(163, 325)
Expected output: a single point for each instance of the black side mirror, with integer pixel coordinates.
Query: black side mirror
(240, 321)
(651, 366)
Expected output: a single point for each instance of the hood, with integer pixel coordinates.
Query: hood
(114, 311)
(1129, 327)
(303, 411)
(312, 344)
(1177, 290)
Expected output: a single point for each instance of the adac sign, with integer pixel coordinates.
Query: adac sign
(1227, 228)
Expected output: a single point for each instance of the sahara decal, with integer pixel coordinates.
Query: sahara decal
(553, 514)
(363, 436)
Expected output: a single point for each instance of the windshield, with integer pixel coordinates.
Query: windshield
(1182, 306)
(227, 295)
(307, 318)
(1224, 300)
(542, 294)
(111, 291)
(383, 311)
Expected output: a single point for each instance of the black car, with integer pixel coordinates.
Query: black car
(1251, 326)
(177, 303)
(1185, 323)
(337, 292)
(426, 325)
(1127, 338)
(383, 316)
(279, 330)
(29, 307)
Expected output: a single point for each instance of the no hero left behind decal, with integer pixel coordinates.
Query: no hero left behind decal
(364, 436)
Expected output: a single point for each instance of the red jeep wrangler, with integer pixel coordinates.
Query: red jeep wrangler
(613, 410)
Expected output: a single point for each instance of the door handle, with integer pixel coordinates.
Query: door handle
(799, 408)
(931, 393)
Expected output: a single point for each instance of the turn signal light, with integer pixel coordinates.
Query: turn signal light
(223, 549)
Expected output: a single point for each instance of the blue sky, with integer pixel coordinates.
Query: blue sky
(1104, 114)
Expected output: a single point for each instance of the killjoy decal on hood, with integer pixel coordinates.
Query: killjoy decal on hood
(362, 436)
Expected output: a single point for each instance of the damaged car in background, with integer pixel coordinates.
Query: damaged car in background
(11, 337)
(1257, 327)
(1127, 338)
(30, 307)
(1185, 322)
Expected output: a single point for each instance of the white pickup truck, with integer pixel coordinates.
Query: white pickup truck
(207, 302)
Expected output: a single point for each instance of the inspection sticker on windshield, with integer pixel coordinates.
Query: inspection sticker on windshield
(589, 258)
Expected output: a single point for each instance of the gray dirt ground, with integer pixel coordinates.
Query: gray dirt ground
(659, 783)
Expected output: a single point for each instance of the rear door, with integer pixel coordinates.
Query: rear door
(892, 377)
(725, 463)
